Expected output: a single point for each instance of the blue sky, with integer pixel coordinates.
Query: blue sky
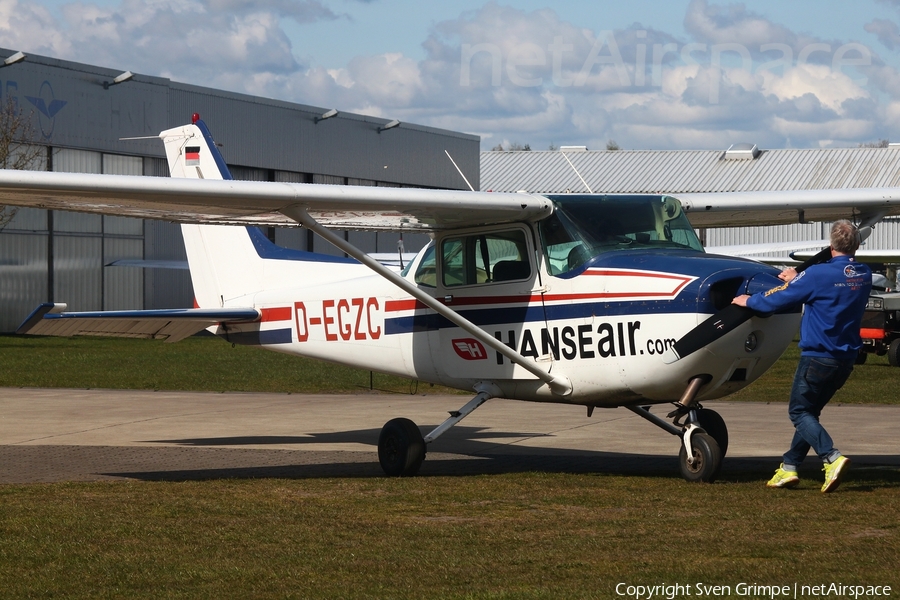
(690, 74)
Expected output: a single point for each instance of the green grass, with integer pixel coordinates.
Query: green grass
(209, 364)
(527, 535)
(518, 535)
(201, 363)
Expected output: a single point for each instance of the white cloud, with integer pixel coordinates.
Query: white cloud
(830, 88)
(507, 73)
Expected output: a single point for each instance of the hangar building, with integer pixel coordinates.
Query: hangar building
(79, 120)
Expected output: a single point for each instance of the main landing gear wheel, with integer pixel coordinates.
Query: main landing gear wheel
(707, 459)
(713, 424)
(401, 448)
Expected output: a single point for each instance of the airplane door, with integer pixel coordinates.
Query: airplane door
(491, 277)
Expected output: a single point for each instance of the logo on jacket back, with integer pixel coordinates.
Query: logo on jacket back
(850, 271)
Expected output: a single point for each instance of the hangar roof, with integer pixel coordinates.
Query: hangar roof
(674, 171)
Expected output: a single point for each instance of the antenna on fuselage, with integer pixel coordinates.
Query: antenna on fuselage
(459, 170)
(576, 172)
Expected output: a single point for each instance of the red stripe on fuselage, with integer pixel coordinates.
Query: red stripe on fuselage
(276, 314)
(398, 305)
(413, 304)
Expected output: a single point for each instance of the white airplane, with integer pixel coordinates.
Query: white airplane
(593, 300)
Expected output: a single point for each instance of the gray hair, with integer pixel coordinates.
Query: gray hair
(844, 237)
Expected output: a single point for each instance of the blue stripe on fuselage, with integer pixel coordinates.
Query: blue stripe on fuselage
(259, 338)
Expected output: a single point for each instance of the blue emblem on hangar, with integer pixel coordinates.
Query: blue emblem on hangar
(48, 107)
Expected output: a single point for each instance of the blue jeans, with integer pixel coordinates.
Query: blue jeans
(815, 382)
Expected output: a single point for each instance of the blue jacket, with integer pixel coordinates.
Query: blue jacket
(835, 294)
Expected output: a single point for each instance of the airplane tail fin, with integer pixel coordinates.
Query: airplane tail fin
(224, 265)
(230, 264)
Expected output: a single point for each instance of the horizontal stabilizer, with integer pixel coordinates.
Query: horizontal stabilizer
(179, 265)
(171, 325)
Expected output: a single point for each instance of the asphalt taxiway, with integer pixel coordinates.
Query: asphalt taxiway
(50, 435)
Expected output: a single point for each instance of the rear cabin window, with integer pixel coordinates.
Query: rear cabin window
(494, 257)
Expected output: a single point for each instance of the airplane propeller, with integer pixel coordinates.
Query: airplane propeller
(725, 321)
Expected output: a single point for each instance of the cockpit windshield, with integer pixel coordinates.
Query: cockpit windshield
(582, 227)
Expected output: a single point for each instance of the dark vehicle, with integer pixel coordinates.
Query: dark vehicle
(880, 329)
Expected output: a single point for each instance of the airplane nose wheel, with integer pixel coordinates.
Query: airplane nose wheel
(704, 432)
(706, 459)
(401, 448)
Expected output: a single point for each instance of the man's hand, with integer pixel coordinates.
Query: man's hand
(741, 300)
(788, 274)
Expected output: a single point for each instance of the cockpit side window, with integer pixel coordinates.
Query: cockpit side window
(481, 258)
(426, 272)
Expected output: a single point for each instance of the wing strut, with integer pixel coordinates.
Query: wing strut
(559, 385)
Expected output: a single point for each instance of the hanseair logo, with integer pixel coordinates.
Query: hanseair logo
(48, 107)
(469, 349)
(850, 271)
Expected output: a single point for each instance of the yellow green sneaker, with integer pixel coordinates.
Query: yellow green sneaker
(833, 472)
(784, 479)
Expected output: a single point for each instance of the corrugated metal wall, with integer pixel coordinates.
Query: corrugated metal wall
(886, 235)
(23, 268)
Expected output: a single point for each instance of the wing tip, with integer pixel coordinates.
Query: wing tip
(38, 314)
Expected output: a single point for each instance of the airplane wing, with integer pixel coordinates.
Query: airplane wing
(752, 250)
(260, 203)
(863, 255)
(799, 252)
(735, 209)
(399, 209)
(171, 325)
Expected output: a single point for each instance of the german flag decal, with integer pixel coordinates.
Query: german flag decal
(192, 155)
